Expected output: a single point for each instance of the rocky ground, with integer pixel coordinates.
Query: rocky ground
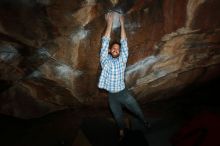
(95, 126)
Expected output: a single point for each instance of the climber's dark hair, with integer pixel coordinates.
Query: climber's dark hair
(115, 42)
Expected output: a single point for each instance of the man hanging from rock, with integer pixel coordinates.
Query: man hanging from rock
(113, 61)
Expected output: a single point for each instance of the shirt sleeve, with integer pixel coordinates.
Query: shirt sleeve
(124, 51)
(104, 50)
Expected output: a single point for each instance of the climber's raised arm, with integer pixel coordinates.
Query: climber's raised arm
(106, 39)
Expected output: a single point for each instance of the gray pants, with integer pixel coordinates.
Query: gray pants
(120, 99)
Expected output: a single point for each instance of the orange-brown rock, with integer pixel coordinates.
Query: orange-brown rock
(49, 51)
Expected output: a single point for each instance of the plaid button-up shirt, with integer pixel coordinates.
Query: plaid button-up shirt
(113, 69)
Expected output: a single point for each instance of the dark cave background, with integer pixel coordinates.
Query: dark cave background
(49, 63)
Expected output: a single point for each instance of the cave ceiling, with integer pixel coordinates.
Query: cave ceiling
(49, 51)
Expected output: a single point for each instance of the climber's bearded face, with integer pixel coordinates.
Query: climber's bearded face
(115, 50)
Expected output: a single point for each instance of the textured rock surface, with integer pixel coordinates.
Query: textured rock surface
(49, 51)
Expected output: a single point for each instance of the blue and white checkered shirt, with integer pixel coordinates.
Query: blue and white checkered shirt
(113, 69)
